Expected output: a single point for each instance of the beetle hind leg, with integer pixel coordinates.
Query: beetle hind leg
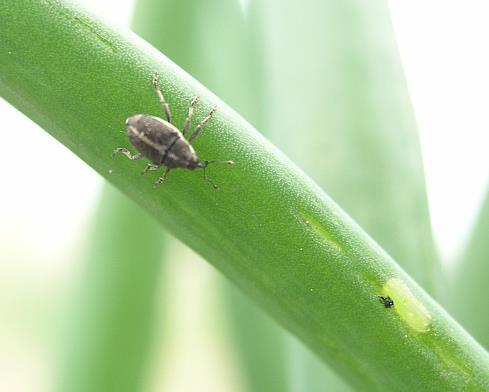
(164, 104)
(163, 178)
(127, 153)
(150, 167)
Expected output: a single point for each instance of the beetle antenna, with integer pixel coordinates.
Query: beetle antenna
(206, 164)
(204, 167)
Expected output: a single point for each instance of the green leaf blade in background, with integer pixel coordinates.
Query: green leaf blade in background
(108, 344)
(346, 119)
(351, 126)
(468, 289)
(115, 306)
(269, 227)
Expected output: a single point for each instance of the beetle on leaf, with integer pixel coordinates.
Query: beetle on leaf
(162, 143)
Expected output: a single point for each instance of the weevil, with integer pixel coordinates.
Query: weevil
(387, 301)
(162, 143)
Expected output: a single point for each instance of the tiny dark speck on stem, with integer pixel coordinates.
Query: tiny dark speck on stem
(387, 301)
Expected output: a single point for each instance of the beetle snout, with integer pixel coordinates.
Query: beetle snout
(133, 120)
(132, 123)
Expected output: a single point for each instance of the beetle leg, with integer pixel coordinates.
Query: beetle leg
(186, 124)
(150, 167)
(160, 180)
(164, 104)
(127, 153)
(199, 127)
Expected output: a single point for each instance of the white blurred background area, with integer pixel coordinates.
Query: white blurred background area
(43, 220)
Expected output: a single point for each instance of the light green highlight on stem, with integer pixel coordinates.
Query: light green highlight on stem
(412, 311)
(323, 233)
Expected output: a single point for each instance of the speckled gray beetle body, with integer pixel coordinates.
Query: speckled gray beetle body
(162, 143)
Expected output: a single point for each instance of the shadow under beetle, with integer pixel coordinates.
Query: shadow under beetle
(162, 143)
(387, 301)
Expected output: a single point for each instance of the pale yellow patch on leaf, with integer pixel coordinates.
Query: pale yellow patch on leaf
(407, 306)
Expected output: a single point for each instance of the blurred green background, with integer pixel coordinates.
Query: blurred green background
(99, 302)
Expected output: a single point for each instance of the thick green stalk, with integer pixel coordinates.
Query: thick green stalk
(222, 49)
(107, 344)
(469, 289)
(268, 227)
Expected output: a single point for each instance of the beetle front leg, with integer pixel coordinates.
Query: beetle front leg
(199, 127)
(150, 167)
(160, 180)
(127, 153)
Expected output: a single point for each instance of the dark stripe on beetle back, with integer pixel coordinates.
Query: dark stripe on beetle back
(162, 162)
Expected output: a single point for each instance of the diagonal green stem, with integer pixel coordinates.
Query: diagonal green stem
(269, 228)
